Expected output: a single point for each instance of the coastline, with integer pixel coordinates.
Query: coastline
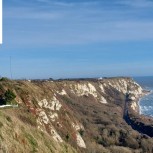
(144, 94)
(134, 117)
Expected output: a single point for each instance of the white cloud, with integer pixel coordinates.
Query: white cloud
(53, 25)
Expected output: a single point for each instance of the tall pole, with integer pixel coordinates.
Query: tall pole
(11, 67)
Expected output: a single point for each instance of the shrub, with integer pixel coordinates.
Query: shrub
(4, 79)
(81, 131)
(131, 142)
(67, 137)
(8, 119)
(146, 145)
(117, 149)
(9, 97)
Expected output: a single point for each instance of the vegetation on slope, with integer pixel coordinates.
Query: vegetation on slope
(104, 129)
(20, 135)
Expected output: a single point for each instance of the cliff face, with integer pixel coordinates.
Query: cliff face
(79, 115)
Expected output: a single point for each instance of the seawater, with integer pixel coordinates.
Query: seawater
(146, 103)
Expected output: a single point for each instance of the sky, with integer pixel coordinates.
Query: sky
(76, 38)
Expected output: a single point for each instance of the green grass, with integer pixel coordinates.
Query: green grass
(32, 142)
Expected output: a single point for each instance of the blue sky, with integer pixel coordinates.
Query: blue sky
(77, 38)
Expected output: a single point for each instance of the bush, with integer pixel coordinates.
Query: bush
(9, 95)
(4, 79)
(81, 131)
(8, 98)
(67, 137)
(117, 149)
(147, 145)
(8, 119)
(131, 142)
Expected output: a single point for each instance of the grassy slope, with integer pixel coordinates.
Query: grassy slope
(18, 133)
(105, 129)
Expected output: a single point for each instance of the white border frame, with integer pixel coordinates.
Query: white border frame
(1, 22)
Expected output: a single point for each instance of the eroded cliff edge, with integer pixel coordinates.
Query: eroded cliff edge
(78, 115)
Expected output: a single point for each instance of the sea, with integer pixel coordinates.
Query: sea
(146, 103)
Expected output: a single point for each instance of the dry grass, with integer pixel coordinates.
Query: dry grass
(17, 135)
(105, 130)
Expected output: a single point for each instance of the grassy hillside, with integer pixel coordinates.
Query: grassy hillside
(84, 116)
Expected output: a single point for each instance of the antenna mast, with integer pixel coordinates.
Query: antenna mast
(11, 67)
